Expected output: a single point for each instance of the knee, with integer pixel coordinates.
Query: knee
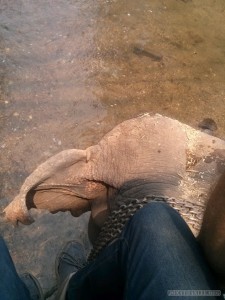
(155, 214)
(156, 220)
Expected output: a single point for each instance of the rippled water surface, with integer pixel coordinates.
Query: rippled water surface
(71, 70)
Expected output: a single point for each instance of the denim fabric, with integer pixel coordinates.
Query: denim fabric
(155, 253)
(11, 286)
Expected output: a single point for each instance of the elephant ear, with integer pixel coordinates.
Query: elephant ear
(48, 176)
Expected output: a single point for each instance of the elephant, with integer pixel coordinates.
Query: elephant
(151, 155)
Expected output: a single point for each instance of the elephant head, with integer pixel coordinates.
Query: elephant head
(81, 180)
(148, 155)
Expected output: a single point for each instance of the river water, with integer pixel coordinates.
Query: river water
(71, 70)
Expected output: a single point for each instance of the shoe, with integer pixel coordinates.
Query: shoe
(33, 286)
(71, 259)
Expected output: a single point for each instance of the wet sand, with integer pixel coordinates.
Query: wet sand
(71, 70)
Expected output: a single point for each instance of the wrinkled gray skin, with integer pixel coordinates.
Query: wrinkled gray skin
(148, 155)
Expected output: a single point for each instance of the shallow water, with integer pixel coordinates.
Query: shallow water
(71, 70)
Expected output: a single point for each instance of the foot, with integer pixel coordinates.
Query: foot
(33, 286)
(70, 260)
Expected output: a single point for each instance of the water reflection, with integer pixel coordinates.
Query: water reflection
(72, 70)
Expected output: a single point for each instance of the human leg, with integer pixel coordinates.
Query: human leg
(162, 255)
(12, 287)
(156, 252)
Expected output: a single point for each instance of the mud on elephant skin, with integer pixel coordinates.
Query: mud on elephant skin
(158, 155)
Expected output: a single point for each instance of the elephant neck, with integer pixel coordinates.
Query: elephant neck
(138, 189)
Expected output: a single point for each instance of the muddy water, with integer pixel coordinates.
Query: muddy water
(71, 70)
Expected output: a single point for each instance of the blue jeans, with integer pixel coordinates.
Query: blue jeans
(156, 252)
(155, 256)
(11, 286)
